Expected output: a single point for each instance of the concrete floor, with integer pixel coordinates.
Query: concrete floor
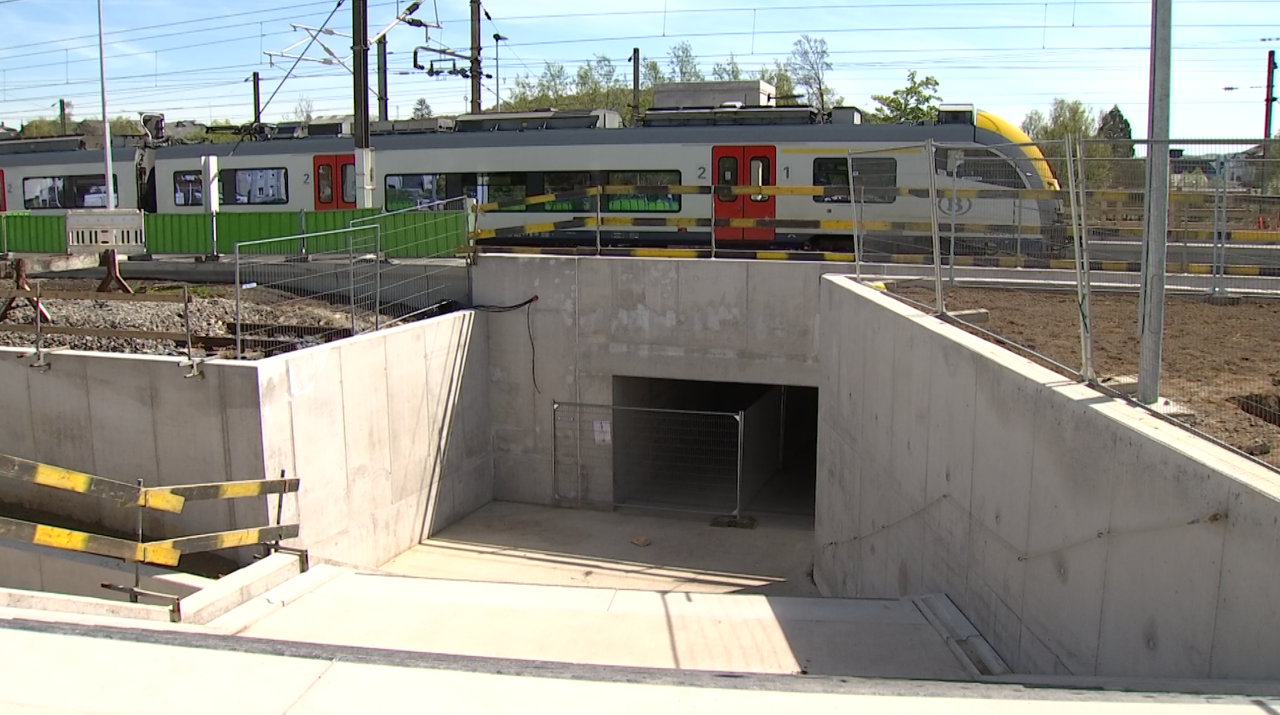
(739, 633)
(518, 543)
(92, 670)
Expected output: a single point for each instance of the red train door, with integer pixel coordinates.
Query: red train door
(334, 181)
(744, 166)
(3, 190)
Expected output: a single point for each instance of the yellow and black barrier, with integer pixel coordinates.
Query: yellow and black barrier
(167, 499)
(161, 553)
(1026, 231)
(841, 192)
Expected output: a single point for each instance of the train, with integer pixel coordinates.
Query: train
(811, 157)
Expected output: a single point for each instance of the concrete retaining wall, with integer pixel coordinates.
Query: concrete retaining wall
(1079, 534)
(36, 568)
(597, 318)
(389, 433)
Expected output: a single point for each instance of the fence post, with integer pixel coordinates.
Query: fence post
(599, 198)
(1083, 295)
(854, 216)
(929, 151)
(377, 276)
(737, 510)
(351, 279)
(1219, 229)
(953, 163)
(239, 330)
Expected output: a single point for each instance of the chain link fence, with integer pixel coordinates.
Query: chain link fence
(380, 271)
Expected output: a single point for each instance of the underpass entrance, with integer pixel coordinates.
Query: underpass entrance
(720, 449)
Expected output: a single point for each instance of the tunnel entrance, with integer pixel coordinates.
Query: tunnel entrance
(715, 447)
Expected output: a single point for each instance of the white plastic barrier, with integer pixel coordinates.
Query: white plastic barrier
(96, 230)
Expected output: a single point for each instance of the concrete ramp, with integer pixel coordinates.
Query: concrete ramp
(742, 633)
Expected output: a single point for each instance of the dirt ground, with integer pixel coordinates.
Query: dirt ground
(1213, 354)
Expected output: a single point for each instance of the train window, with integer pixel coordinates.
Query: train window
(726, 176)
(876, 179)
(42, 192)
(324, 184)
(70, 192)
(188, 188)
(404, 191)
(255, 186)
(759, 177)
(497, 187)
(646, 202)
(349, 183)
(558, 182)
(90, 192)
(982, 165)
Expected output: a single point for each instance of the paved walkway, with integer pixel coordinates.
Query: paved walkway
(744, 633)
(61, 670)
(520, 543)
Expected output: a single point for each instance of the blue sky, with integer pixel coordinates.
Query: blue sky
(190, 60)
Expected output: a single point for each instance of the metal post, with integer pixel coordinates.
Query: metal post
(108, 177)
(853, 212)
(929, 151)
(62, 117)
(39, 334)
(475, 57)
(953, 163)
(4, 234)
(1266, 121)
(859, 235)
(360, 49)
(497, 78)
(257, 98)
(1156, 218)
(239, 284)
(382, 79)
(377, 276)
(137, 565)
(351, 278)
(186, 319)
(599, 198)
(742, 420)
(1219, 228)
(1079, 232)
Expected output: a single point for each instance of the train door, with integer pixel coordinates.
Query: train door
(335, 181)
(744, 166)
(4, 189)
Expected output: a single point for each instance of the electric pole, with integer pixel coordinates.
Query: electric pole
(1271, 93)
(475, 56)
(62, 116)
(635, 86)
(497, 78)
(257, 97)
(382, 78)
(360, 70)
(1156, 208)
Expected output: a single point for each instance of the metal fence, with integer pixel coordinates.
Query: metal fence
(1081, 314)
(675, 460)
(382, 270)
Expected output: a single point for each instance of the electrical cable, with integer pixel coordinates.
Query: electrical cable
(529, 324)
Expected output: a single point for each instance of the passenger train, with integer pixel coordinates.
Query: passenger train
(508, 157)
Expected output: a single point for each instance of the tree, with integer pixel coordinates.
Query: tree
(784, 87)
(596, 85)
(727, 71)
(1070, 119)
(650, 74)
(421, 109)
(916, 102)
(1114, 127)
(684, 66)
(809, 64)
(302, 110)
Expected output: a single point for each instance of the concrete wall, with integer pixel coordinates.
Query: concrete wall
(130, 417)
(388, 431)
(1079, 534)
(761, 443)
(37, 568)
(597, 318)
